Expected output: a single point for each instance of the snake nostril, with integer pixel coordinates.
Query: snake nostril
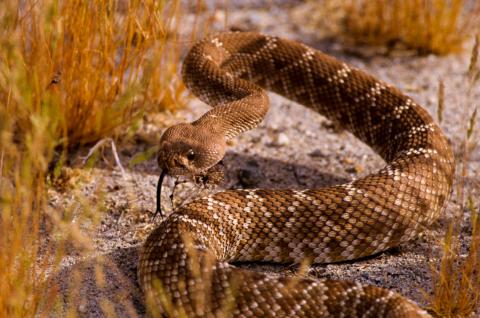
(171, 163)
(179, 163)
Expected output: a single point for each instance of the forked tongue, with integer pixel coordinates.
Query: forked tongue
(159, 193)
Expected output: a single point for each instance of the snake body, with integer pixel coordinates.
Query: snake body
(185, 264)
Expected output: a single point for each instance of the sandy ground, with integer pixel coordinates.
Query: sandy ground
(293, 147)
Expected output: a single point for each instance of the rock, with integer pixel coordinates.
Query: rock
(355, 169)
(317, 153)
(280, 140)
(251, 175)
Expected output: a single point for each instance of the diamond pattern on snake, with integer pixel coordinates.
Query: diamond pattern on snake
(185, 264)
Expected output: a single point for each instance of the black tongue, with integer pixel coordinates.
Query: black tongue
(159, 193)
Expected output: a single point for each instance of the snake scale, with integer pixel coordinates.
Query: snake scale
(185, 264)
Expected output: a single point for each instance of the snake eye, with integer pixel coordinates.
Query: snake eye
(190, 155)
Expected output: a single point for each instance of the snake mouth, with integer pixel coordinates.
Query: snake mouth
(159, 193)
(209, 177)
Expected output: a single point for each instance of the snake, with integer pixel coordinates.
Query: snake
(188, 264)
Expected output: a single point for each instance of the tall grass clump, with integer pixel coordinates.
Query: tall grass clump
(71, 72)
(428, 26)
(22, 199)
(456, 280)
(91, 66)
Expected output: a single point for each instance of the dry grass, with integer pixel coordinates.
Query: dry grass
(436, 26)
(22, 277)
(74, 72)
(457, 281)
(456, 290)
(71, 72)
(89, 66)
(200, 265)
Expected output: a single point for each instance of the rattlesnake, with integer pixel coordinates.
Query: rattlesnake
(185, 265)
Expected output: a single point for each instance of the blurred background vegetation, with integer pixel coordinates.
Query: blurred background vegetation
(75, 72)
(427, 26)
(71, 73)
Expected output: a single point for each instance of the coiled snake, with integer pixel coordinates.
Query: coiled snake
(184, 264)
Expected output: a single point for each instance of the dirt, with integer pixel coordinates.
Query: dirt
(294, 147)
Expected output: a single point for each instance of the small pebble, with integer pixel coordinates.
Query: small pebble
(280, 140)
(317, 153)
(82, 308)
(354, 169)
(251, 175)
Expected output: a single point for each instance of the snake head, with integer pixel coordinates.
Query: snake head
(186, 149)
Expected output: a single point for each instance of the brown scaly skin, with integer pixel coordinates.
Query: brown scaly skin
(182, 149)
(186, 259)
